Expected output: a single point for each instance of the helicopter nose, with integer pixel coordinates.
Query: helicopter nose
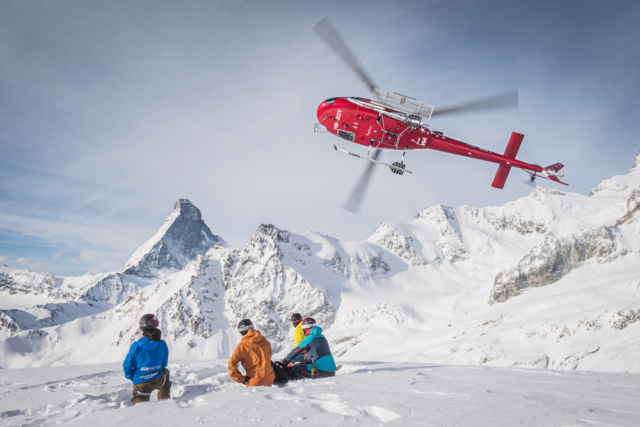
(323, 110)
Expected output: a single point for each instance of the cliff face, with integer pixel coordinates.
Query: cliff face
(556, 257)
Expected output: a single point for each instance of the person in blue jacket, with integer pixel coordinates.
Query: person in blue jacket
(318, 361)
(146, 363)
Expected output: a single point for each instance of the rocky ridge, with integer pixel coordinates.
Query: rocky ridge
(267, 292)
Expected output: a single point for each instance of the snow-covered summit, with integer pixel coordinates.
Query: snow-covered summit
(181, 238)
(620, 184)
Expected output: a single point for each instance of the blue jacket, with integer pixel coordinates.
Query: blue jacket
(146, 360)
(317, 350)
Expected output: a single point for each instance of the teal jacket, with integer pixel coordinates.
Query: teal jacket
(317, 351)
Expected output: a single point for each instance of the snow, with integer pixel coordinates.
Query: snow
(363, 393)
(547, 285)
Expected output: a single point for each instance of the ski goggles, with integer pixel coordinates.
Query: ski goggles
(309, 325)
(245, 328)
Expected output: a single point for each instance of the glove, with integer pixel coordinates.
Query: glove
(246, 380)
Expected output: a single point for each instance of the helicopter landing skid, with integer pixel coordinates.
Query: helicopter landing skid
(396, 167)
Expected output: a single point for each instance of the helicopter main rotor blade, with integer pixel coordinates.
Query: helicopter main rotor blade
(506, 100)
(353, 204)
(326, 32)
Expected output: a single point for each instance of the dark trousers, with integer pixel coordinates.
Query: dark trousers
(142, 391)
(300, 371)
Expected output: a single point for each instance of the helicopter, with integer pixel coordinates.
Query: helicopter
(392, 121)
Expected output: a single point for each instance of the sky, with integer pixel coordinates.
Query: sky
(112, 111)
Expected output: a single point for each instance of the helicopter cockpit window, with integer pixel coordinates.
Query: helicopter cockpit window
(330, 101)
(346, 135)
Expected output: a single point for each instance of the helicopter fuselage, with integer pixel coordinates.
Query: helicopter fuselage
(355, 123)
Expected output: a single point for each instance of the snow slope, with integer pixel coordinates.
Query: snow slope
(370, 394)
(546, 281)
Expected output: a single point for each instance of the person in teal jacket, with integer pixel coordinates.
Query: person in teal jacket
(318, 361)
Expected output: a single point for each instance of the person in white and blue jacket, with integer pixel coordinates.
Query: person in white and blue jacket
(313, 353)
(146, 363)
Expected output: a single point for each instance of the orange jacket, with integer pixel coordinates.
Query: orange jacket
(254, 352)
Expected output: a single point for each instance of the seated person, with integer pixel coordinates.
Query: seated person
(298, 333)
(146, 363)
(254, 352)
(317, 361)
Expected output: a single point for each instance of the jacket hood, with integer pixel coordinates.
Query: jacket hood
(153, 334)
(253, 336)
(316, 331)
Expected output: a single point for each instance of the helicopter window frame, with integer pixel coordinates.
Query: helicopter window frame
(330, 101)
(349, 136)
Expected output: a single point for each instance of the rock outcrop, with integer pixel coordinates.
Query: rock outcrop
(267, 292)
(554, 258)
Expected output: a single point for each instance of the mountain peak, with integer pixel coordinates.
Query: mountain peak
(187, 209)
(636, 164)
(181, 238)
(620, 184)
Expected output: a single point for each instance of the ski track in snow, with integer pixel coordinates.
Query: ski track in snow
(369, 394)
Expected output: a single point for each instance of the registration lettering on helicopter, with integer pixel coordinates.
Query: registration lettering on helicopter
(421, 141)
(337, 123)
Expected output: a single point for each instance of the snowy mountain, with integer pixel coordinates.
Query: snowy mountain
(546, 281)
(182, 237)
(31, 301)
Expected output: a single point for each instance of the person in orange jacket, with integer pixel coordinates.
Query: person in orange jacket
(254, 352)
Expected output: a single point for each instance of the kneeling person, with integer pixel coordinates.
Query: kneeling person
(254, 352)
(318, 361)
(146, 363)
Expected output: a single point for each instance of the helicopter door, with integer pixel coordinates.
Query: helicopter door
(349, 136)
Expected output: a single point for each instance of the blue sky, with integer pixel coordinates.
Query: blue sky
(111, 111)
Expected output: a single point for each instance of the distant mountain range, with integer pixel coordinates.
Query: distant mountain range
(546, 281)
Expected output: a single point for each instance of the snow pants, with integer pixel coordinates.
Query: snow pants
(302, 371)
(142, 391)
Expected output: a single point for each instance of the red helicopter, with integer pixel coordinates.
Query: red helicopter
(394, 122)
